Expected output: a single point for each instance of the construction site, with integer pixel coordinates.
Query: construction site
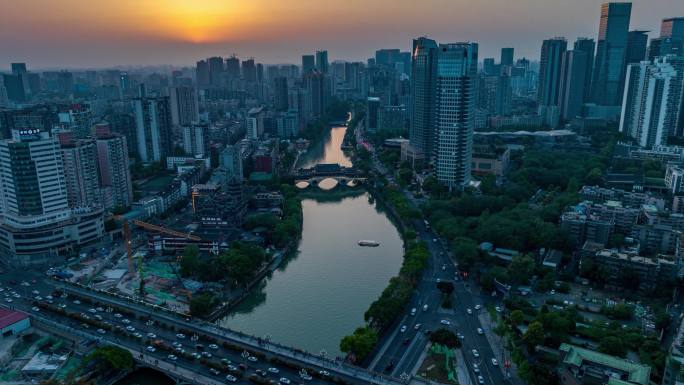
(143, 267)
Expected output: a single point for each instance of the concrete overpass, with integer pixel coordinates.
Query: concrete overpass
(339, 370)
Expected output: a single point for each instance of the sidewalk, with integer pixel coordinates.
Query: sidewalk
(497, 343)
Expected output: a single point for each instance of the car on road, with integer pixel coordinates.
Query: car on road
(498, 309)
(172, 357)
(476, 354)
(460, 336)
(151, 335)
(180, 336)
(195, 355)
(444, 267)
(214, 371)
(480, 331)
(92, 311)
(417, 326)
(480, 380)
(445, 322)
(101, 331)
(213, 347)
(125, 321)
(253, 359)
(324, 373)
(478, 307)
(137, 335)
(206, 354)
(130, 328)
(476, 369)
(35, 308)
(231, 378)
(304, 376)
(117, 315)
(151, 349)
(413, 311)
(273, 370)
(284, 380)
(77, 302)
(403, 328)
(434, 239)
(469, 311)
(176, 344)
(425, 307)
(495, 362)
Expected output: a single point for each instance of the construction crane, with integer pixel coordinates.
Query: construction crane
(129, 248)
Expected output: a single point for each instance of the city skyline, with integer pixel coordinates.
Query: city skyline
(121, 33)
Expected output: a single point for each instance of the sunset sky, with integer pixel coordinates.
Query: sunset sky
(100, 33)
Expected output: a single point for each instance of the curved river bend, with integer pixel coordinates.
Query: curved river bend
(320, 294)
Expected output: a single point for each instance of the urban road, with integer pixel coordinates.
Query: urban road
(401, 352)
(140, 324)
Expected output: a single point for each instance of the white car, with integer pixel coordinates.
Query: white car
(305, 377)
(495, 362)
(35, 308)
(476, 368)
(176, 344)
(498, 309)
(403, 328)
(77, 302)
(480, 331)
(101, 331)
(425, 307)
(206, 354)
(117, 315)
(151, 335)
(445, 322)
(125, 321)
(172, 357)
(92, 311)
(137, 335)
(231, 378)
(478, 307)
(213, 347)
(460, 336)
(273, 370)
(284, 380)
(151, 349)
(180, 336)
(130, 328)
(475, 353)
(417, 326)
(252, 359)
(413, 311)
(480, 380)
(469, 311)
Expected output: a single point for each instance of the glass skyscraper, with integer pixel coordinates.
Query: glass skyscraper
(423, 76)
(611, 54)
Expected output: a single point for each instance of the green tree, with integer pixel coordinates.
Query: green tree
(190, 262)
(466, 251)
(516, 317)
(445, 337)
(360, 343)
(202, 304)
(612, 345)
(111, 358)
(534, 335)
(520, 269)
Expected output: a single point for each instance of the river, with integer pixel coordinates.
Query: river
(320, 294)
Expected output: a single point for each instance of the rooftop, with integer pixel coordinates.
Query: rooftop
(636, 373)
(10, 317)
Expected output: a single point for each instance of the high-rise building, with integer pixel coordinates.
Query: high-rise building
(233, 67)
(317, 86)
(550, 67)
(196, 139)
(455, 112)
(672, 27)
(184, 105)
(215, 71)
(202, 74)
(81, 173)
(287, 124)
(280, 94)
(611, 54)
(637, 42)
(14, 87)
(322, 61)
(662, 46)
(587, 46)
(308, 63)
(651, 108)
(37, 223)
(18, 68)
(249, 72)
(494, 94)
(423, 133)
(507, 56)
(152, 128)
(489, 66)
(230, 160)
(115, 176)
(78, 119)
(572, 83)
(372, 112)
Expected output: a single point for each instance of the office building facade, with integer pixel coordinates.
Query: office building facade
(611, 54)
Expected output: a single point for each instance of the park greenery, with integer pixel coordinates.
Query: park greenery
(202, 304)
(237, 265)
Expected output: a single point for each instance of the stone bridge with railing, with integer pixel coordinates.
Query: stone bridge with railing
(321, 171)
